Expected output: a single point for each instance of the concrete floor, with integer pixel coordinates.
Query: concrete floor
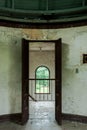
(68, 125)
(42, 115)
(41, 118)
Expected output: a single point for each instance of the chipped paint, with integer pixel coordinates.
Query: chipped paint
(74, 85)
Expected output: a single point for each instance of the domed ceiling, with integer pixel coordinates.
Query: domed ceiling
(43, 11)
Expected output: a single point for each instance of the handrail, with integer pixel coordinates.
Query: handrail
(41, 79)
(32, 98)
(36, 96)
(29, 94)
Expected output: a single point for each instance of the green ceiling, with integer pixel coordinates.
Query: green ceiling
(43, 10)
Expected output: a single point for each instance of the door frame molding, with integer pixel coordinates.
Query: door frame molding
(60, 90)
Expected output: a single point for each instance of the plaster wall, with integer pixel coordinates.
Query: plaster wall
(74, 72)
(10, 71)
(42, 58)
(74, 76)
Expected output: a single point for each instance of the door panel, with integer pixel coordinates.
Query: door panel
(25, 87)
(58, 67)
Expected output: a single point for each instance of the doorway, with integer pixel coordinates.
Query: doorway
(26, 80)
(42, 82)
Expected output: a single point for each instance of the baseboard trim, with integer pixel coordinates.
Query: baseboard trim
(16, 117)
(71, 117)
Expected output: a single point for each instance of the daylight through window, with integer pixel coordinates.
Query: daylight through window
(42, 80)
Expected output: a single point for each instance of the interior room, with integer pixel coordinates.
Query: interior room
(43, 65)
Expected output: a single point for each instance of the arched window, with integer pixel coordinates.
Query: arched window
(42, 75)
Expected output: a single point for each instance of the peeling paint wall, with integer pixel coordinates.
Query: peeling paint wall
(75, 75)
(10, 71)
(74, 82)
(74, 72)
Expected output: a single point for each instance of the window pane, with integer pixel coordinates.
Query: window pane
(42, 73)
(42, 86)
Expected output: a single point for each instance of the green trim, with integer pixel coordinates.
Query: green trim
(43, 21)
(70, 10)
(66, 15)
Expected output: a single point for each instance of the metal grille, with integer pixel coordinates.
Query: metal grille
(42, 96)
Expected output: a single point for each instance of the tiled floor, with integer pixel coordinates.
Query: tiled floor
(41, 118)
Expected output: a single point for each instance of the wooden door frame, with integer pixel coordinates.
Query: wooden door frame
(25, 84)
(60, 90)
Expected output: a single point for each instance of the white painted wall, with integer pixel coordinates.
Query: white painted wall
(10, 71)
(74, 85)
(45, 58)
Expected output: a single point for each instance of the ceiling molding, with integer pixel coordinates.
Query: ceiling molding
(44, 12)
